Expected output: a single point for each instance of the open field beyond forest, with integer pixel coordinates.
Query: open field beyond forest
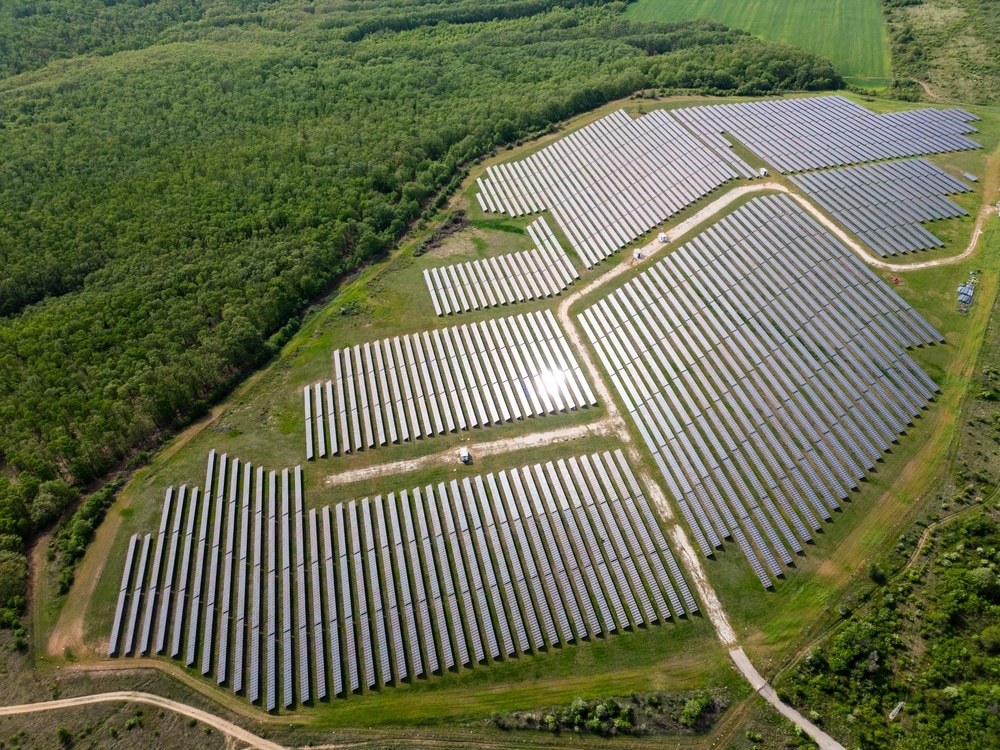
(263, 423)
(851, 33)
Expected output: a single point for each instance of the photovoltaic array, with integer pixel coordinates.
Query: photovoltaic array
(449, 379)
(503, 279)
(293, 607)
(766, 370)
(210, 593)
(610, 182)
(795, 135)
(883, 204)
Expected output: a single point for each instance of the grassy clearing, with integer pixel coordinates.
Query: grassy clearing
(851, 33)
(682, 656)
(950, 45)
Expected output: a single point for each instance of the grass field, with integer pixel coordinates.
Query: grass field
(851, 33)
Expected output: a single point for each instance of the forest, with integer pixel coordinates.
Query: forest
(180, 181)
(929, 639)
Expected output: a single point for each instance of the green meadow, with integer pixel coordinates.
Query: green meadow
(851, 33)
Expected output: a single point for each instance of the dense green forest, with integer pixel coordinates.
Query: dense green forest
(172, 200)
(930, 638)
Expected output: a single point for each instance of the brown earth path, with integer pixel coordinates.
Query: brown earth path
(241, 735)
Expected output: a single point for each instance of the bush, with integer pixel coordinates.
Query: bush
(876, 573)
(694, 708)
(989, 639)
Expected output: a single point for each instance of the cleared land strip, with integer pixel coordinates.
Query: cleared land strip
(236, 732)
(607, 426)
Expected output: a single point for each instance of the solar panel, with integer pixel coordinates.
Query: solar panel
(137, 588)
(287, 625)
(151, 599)
(564, 562)
(301, 618)
(461, 578)
(116, 626)
(444, 575)
(404, 547)
(175, 539)
(194, 615)
(222, 664)
(361, 592)
(350, 647)
(239, 650)
(331, 625)
(437, 382)
(496, 570)
(799, 134)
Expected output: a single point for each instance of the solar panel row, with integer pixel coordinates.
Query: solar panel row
(795, 135)
(456, 378)
(611, 181)
(177, 627)
(884, 204)
(175, 538)
(765, 368)
(503, 279)
(151, 599)
(214, 568)
(137, 591)
(116, 626)
(463, 568)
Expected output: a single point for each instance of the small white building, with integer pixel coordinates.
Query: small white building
(662, 237)
(763, 172)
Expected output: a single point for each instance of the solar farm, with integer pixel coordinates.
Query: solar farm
(610, 182)
(766, 370)
(652, 423)
(884, 204)
(316, 604)
(444, 380)
(614, 180)
(796, 135)
(503, 279)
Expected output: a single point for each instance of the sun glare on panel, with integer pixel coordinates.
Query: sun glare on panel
(552, 381)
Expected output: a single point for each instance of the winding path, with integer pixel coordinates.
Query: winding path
(236, 732)
(759, 684)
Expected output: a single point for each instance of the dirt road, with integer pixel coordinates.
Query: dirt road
(249, 739)
(608, 426)
(821, 738)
